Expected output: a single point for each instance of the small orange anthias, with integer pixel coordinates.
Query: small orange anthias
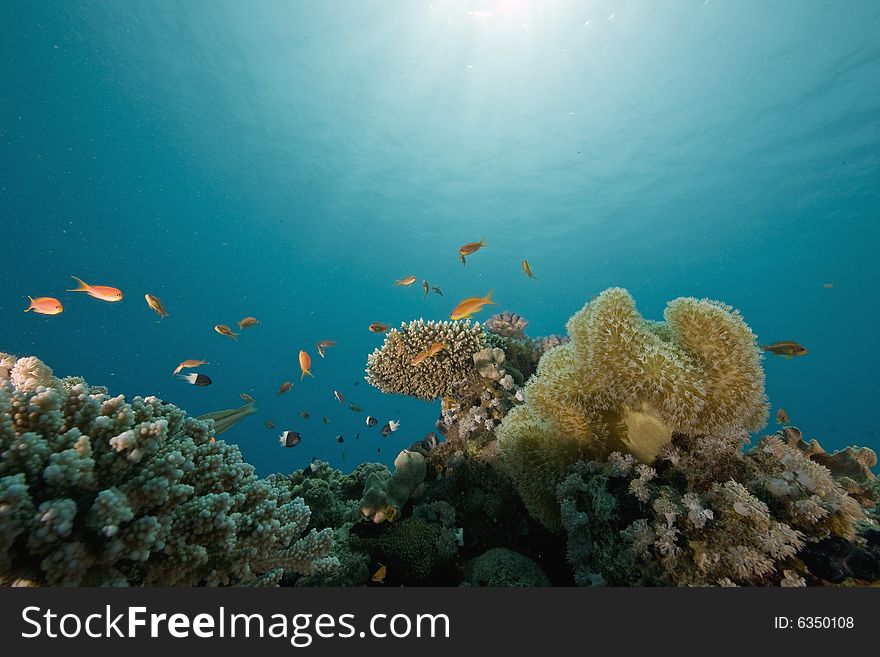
(305, 365)
(102, 292)
(45, 306)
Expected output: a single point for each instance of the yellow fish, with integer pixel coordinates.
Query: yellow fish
(471, 306)
(379, 575)
(155, 303)
(305, 365)
(188, 364)
(527, 269)
(406, 282)
(222, 329)
(781, 417)
(430, 352)
(469, 248)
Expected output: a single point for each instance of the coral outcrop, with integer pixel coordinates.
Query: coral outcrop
(626, 384)
(386, 493)
(98, 490)
(503, 567)
(390, 368)
(705, 513)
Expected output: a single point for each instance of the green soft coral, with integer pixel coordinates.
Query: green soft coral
(626, 384)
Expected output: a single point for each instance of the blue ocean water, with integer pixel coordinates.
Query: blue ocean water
(290, 160)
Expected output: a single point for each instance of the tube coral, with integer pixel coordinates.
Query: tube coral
(97, 490)
(626, 384)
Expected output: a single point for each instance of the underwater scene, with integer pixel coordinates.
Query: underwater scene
(439, 293)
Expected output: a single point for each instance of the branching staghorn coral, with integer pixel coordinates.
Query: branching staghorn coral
(627, 384)
(705, 513)
(95, 490)
(390, 367)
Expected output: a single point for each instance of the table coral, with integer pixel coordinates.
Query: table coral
(97, 490)
(627, 384)
(390, 367)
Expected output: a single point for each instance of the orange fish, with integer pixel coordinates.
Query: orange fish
(323, 345)
(781, 416)
(471, 306)
(212, 439)
(155, 303)
(828, 286)
(430, 352)
(45, 306)
(406, 282)
(247, 322)
(102, 292)
(188, 364)
(285, 387)
(222, 329)
(527, 269)
(469, 248)
(305, 365)
(379, 575)
(379, 327)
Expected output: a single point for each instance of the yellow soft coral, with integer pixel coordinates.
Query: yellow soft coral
(626, 384)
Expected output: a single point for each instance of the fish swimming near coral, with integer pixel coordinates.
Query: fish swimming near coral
(305, 365)
(468, 249)
(325, 420)
(781, 416)
(340, 438)
(284, 388)
(785, 348)
(247, 322)
(354, 407)
(225, 420)
(323, 345)
(371, 421)
(406, 282)
(471, 306)
(189, 364)
(379, 327)
(246, 397)
(155, 304)
(45, 306)
(436, 290)
(426, 287)
(305, 415)
(379, 575)
(195, 379)
(528, 269)
(290, 439)
(390, 427)
(430, 352)
(269, 424)
(102, 292)
(222, 329)
(339, 397)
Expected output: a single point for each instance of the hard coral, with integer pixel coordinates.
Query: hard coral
(507, 324)
(626, 384)
(391, 370)
(98, 490)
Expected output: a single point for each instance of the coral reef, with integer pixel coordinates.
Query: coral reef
(705, 513)
(390, 367)
(385, 493)
(507, 324)
(503, 567)
(97, 490)
(626, 384)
